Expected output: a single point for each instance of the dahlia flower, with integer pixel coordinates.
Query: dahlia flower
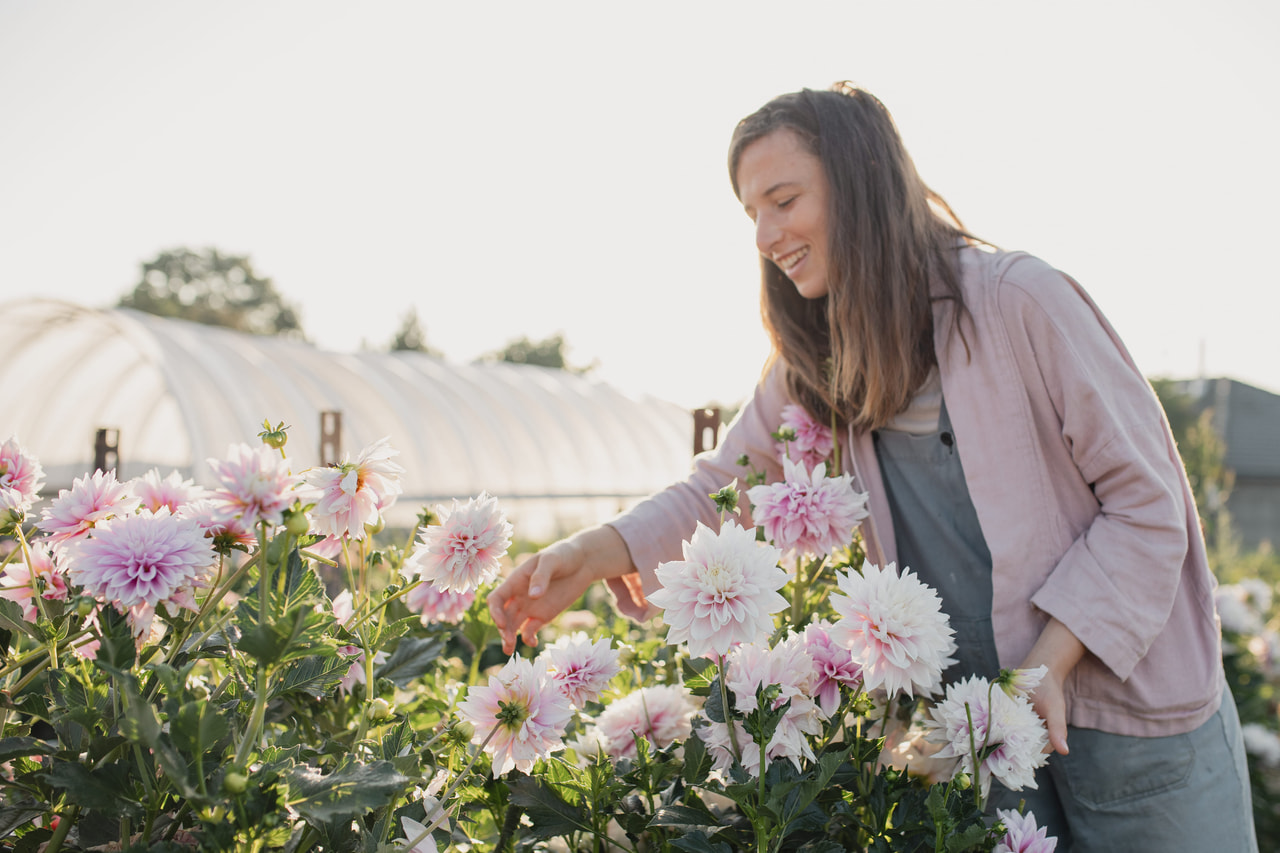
(520, 715)
(1022, 835)
(21, 476)
(834, 664)
(788, 668)
(659, 713)
(173, 491)
(462, 552)
(352, 494)
(1021, 682)
(343, 608)
(812, 441)
(581, 668)
(720, 746)
(434, 604)
(150, 558)
(255, 485)
(417, 839)
(226, 533)
(21, 583)
(808, 512)
(90, 501)
(1007, 734)
(724, 591)
(894, 627)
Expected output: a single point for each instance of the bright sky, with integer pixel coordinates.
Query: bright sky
(530, 168)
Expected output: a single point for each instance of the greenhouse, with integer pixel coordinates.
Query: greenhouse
(559, 450)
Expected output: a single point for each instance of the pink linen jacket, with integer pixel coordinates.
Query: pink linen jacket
(1077, 485)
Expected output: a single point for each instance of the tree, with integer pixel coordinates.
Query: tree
(411, 336)
(213, 288)
(1204, 455)
(549, 352)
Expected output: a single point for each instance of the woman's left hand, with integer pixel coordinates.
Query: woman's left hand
(1058, 650)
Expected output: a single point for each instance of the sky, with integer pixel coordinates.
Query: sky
(526, 169)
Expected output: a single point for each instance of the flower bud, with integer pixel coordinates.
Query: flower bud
(380, 709)
(235, 782)
(296, 522)
(274, 437)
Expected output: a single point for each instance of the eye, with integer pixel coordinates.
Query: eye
(786, 202)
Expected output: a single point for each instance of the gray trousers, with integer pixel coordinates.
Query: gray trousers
(1186, 792)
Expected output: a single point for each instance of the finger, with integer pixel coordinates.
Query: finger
(540, 579)
(529, 631)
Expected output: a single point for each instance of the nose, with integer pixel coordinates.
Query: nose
(767, 233)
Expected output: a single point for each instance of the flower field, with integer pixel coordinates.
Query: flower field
(261, 667)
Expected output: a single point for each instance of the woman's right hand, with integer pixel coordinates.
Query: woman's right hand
(544, 585)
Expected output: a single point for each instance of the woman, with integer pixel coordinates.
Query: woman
(1068, 537)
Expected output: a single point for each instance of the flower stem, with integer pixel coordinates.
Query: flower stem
(65, 823)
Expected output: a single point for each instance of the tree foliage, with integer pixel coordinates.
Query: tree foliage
(549, 352)
(411, 337)
(210, 287)
(1203, 454)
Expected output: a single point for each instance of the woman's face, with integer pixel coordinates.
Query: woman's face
(783, 188)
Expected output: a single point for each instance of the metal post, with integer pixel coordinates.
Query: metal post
(106, 449)
(706, 429)
(330, 437)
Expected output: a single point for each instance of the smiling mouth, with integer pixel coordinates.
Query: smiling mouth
(788, 262)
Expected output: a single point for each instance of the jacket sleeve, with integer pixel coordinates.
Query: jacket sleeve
(655, 529)
(1115, 585)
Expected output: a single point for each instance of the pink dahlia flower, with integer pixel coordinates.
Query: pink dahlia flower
(788, 668)
(520, 715)
(464, 551)
(255, 485)
(834, 664)
(812, 442)
(21, 583)
(150, 558)
(895, 629)
(352, 494)
(808, 512)
(434, 604)
(226, 532)
(724, 591)
(344, 608)
(90, 501)
(21, 476)
(173, 491)
(1008, 735)
(1022, 835)
(583, 669)
(659, 713)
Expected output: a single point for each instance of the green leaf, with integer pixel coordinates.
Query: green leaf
(102, 789)
(413, 658)
(116, 649)
(19, 747)
(550, 814)
(699, 842)
(315, 676)
(282, 640)
(197, 727)
(965, 840)
(697, 761)
(13, 817)
(685, 818)
(699, 674)
(347, 792)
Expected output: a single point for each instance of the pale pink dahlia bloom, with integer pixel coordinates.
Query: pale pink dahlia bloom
(788, 668)
(352, 494)
(21, 477)
(226, 532)
(724, 591)
(812, 443)
(21, 583)
(1022, 682)
(254, 485)
(343, 608)
(659, 713)
(464, 551)
(808, 512)
(834, 664)
(1008, 736)
(90, 501)
(416, 838)
(433, 604)
(582, 668)
(894, 627)
(150, 558)
(521, 714)
(1022, 835)
(173, 491)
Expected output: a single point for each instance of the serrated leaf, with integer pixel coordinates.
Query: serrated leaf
(315, 676)
(699, 842)
(102, 789)
(19, 747)
(962, 841)
(117, 648)
(412, 658)
(197, 727)
(349, 791)
(699, 673)
(684, 818)
(548, 811)
(697, 761)
(12, 817)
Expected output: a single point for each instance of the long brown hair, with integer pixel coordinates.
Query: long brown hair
(864, 349)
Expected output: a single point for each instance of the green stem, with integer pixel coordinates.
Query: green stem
(65, 822)
(254, 732)
(728, 716)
